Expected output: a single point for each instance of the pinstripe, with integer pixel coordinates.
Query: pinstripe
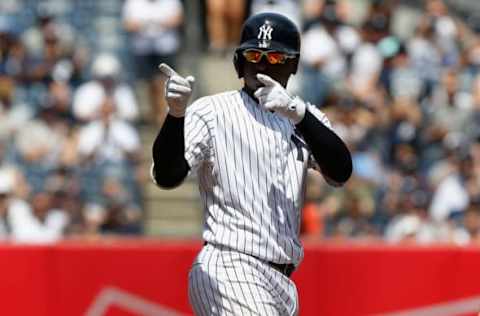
(199, 304)
(267, 119)
(290, 224)
(233, 282)
(223, 167)
(250, 284)
(253, 220)
(261, 287)
(234, 185)
(240, 113)
(223, 292)
(282, 158)
(239, 285)
(243, 176)
(255, 197)
(269, 168)
(212, 291)
(204, 283)
(252, 188)
(255, 289)
(295, 172)
(281, 206)
(221, 226)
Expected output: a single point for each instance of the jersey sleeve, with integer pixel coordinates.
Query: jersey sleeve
(324, 119)
(199, 133)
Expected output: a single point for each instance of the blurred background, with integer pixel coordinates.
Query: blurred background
(81, 102)
(80, 105)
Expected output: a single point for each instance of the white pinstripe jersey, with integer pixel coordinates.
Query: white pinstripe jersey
(251, 168)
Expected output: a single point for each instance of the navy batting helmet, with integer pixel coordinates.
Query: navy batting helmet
(267, 31)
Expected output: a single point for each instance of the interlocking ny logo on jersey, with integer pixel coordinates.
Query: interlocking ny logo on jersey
(300, 145)
(265, 35)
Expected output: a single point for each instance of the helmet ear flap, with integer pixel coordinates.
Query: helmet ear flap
(238, 63)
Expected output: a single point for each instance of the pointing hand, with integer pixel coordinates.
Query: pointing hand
(177, 90)
(274, 97)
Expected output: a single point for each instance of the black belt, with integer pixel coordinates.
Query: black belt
(285, 269)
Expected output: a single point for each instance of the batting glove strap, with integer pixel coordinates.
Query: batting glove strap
(295, 110)
(273, 97)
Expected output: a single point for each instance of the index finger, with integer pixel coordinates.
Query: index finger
(266, 80)
(166, 70)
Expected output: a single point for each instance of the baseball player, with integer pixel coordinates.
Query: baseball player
(250, 149)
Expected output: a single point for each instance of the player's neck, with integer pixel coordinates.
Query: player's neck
(250, 92)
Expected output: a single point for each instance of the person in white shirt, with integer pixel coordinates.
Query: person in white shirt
(108, 138)
(452, 196)
(288, 8)
(38, 222)
(20, 221)
(154, 26)
(89, 97)
(323, 62)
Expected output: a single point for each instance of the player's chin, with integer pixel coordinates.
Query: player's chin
(253, 84)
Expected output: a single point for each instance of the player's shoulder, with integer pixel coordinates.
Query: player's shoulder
(222, 97)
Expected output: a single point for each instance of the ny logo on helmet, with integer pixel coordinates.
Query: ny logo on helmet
(265, 35)
(265, 32)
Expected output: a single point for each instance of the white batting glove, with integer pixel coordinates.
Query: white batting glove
(177, 90)
(274, 97)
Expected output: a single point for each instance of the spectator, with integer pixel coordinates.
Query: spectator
(451, 196)
(312, 225)
(289, 8)
(224, 21)
(14, 113)
(411, 223)
(106, 84)
(6, 188)
(407, 106)
(36, 150)
(446, 31)
(108, 138)
(106, 146)
(367, 60)
(425, 56)
(469, 230)
(446, 113)
(324, 64)
(57, 53)
(155, 38)
(47, 26)
(38, 223)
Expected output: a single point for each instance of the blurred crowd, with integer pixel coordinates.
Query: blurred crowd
(400, 83)
(70, 150)
(408, 105)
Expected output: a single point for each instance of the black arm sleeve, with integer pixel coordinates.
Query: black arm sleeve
(329, 151)
(170, 166)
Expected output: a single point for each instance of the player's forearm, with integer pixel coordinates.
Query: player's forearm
(171, 168)
(329, 151)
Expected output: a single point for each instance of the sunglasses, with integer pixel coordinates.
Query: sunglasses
(273, 57)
